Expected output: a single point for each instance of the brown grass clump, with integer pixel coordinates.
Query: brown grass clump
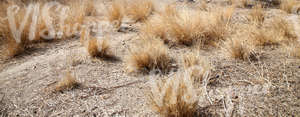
(239, 3)
(83, 35)
(75, 15)
(16, 41)
(41, 23)
(218, 25)
(283, 28)
(115, 14)
(66, 83)
(98, 49)
(196, 65)
(150, 55)
(139, 10)
(13, 48)
(238, 49)
(257, 15)
(263, 36)
(288, 5)
(187, 26)
(293, 49)
(155, 28)
(184, 27)
(174, 97)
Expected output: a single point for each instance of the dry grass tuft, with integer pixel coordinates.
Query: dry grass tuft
(155, 28)
(293, 49)
(283, 28)
(139, 10)
(174, 97)
(187, 26)
(67, 83)
(218, 25)
(98, 49)
(262, 36)
(288, 5)
(184, 29)
(257, 15)
(238, 49)
(116, 13)
(41, 20)
(181, 27)
(83, 36)
(196, 65)
(150, 55)
(13, 48)
(239, 3)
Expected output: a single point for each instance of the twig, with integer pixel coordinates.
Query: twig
(2, 97)
(205, 82)
(246, 81)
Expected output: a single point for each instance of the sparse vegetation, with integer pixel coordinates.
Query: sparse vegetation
(66, 83)
(262, 37)
(139, 10)
(257, 15)
(288, 5)
(37, 22)
(204, 58)
(239, 3)
(155, 28)
(293, 49)
(98, 49)
(116, 13)
(197, 66)
(150, 55)
(284, 29)
(238, 49)
(174, 97)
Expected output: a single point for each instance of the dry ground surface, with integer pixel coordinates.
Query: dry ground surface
(266, 86)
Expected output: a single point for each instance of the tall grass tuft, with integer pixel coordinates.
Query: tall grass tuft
(139, 10)
(174, 97)
(150, 55)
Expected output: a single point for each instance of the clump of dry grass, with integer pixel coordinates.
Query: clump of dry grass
(150, 55)
(218, 26)
(13, 48)
(257, 15)
(174, 97)
(288, 5)
(75, 16)
(196, 65)
(182, 29)
(98, 49)
(239, 3)
(66, 83)
(83, 36)
(116, 13)
(155, 28)
(39, 21)
(262, 36)
(283, 28)
(238, 49)
(187, 26)
(15, 32)
(139, 10)
(293, 49)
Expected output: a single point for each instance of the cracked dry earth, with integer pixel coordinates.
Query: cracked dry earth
(269, 87)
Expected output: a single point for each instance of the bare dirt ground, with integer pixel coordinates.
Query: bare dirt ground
(267, 87)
